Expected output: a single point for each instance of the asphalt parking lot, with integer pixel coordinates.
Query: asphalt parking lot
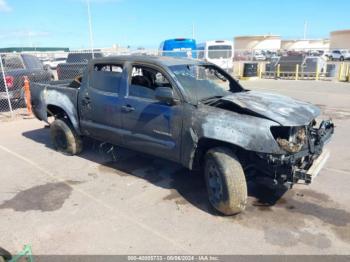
(89, 204)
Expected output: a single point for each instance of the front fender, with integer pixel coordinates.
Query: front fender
(245, 131)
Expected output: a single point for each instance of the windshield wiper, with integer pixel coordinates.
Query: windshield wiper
(210, 100)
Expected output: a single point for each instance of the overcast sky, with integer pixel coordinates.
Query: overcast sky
(145, 23)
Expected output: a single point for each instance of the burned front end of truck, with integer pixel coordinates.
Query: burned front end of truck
(304, 154)
(274, 136)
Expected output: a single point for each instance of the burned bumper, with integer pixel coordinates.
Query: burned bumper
(303, 165)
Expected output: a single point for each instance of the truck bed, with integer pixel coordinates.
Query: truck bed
(46, 97)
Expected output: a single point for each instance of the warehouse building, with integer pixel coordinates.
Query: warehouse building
(340, 39)
(257, 42)
(305, 44)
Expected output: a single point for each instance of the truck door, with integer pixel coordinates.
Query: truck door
(151, 126)
(100, 103)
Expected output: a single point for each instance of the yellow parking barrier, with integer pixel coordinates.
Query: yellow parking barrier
(317, 73)
(340, 72)
(260, 70)
(296, 72)
(239, 69)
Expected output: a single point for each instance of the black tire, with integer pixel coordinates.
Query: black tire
(64, 138)
(225, 180)
(4, 255)
(341, 58)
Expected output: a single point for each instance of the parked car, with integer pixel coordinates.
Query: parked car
(180, 110)
(75, 65)
(340, 55)
(16, 67)
(52, 63)
(259, 56)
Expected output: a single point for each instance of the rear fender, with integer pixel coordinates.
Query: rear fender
(60, 100)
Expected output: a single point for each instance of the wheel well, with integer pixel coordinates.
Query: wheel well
(205, 144)
(57, 112)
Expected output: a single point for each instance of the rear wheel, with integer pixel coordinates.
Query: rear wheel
(64, 137)
(225, 180)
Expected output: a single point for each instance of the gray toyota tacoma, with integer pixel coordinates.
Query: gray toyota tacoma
(192, 113)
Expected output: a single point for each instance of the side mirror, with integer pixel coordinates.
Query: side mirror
(165, 95)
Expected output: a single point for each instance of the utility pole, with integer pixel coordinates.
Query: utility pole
(90, 28)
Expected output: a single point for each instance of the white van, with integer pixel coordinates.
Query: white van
(219, 52)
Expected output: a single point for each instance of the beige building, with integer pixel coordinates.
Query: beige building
(257, 42)
(340, 39)
(305, 44)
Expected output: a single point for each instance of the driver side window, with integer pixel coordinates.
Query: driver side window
(144, 81)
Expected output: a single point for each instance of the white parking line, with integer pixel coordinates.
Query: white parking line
(120, 214)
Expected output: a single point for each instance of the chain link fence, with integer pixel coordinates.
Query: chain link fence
(43, 67)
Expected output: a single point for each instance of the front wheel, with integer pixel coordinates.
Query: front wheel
(5, 255)
(225, 180)
(64, 137)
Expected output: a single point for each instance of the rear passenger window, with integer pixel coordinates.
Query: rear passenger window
(106, 77)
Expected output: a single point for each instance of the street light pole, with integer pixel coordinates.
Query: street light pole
(90, 28)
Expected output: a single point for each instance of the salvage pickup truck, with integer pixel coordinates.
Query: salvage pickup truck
(192, 113)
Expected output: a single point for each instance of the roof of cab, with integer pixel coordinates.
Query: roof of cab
(158, 60)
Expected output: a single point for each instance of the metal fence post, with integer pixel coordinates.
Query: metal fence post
(278, 70)
(6, 88)
(317, 73)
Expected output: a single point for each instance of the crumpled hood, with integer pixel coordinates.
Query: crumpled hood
(281, 109)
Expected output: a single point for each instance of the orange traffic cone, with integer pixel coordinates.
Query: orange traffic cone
(27, 95)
